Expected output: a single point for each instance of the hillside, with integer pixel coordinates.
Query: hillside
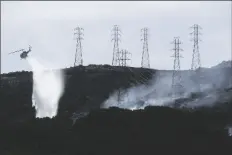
(85, 87)
(160, 130)
(223, 64)
(114, 131)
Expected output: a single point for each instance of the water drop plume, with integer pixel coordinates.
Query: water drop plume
(48, 87)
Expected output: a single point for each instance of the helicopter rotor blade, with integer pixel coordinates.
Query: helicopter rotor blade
(16, 51)
(11, 52)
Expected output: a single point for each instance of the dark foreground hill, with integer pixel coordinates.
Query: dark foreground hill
(155, 130)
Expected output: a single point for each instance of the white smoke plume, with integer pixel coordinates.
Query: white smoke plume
(141, 96)
(48, 87)
(230, 131)
(158, 93)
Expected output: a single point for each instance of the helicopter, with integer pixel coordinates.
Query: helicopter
(24, 53)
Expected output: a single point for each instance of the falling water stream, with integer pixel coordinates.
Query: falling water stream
(48, 87)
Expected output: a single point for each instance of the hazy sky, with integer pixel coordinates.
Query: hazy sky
(48, 28)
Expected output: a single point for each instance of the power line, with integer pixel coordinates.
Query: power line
(145, 63)
(177, 87)
(78, 33)
(116, 38)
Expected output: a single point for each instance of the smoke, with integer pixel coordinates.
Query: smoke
(158, 93)
(48, 87)
(230, 131)
(141, 96)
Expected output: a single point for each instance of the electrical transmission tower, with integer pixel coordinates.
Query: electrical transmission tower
(78, 33)
(177, 87)
(116, 38)
(122, 57)
(145, 63)
(196, 61)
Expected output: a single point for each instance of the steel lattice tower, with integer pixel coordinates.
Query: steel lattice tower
(122, 57)
(196, 61)
(116, 38)
(78, 33)
(145, 63)
(177, 87)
